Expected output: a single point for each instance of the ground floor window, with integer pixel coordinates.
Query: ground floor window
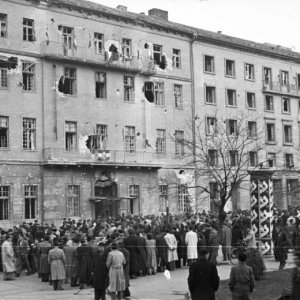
(134, 194)
(73, 194)
(163, 197)
(4, 202)
(30, 198)
(183, 198)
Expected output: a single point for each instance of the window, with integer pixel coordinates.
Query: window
(253, 159)
(98, 43)
(159, 97)
(231, 97)
(163, 197)
(284, 78)
(179, 142)
(178, 96)
(73, 200)
(128, 88)
(211, 125)
(129, 138)
(30, 198)
(101, 137)
(69, 44)
(232, 127)
(70, 81)
(233, 158)
(209, 64)
(28, 74)
(287, 134)
(298, 82)
(134, 194)
(161, 141)
(269, 103)
(249, 72)
(28, 30)
(3, 132)
(252, 129)
(100, 79)
(3, 78)
(157, 54)
(214, 191)
(210, 94)
(289, 160)
(183, 198)
(70, 135)
(271, 160)
(4, 202)
(212, 157)
(270, 127)
(29, 134)
(176, 59)
(3, 26)
(251, 104)
(286, 105)
(267, 76)
(229, 68)
(126, 48)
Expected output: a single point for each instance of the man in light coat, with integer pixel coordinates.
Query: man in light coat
(8, 258)
(172, 249)
(191, 241)
(225, 241)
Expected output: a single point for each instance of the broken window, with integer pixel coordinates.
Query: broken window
(179, 142)
(159, 97)
(211, 125)
(4, 202)
(28, 30)
(286, 105)
(3, 25)
(269, 103)
(3, 78)
(210, 94)
(98, 43)
(161, 141)
(129, 137)
(3, 132)
(253, 159)
(231, 97)
(178, 96)
(70, 135)
(126, 48)
(149, 90)
(30, 199)
(67, 83)
(73, 196)
(28, 74)
(183, 198)
(113, 53)
(209, 64)
(229, 68)
(29, 134)
(232, 127)
(251, 100)
(267, 75)
(100, 79)
(176, 59)
(128, 88)
(249, 71)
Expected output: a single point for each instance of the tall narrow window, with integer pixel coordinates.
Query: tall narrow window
(232, 128)
(178, 96)
(284, 78)
(70, 81)
(183, 198)
(163, 197)
(3, 26)
(209, 64)
(100, 80)
(3, 132)
(3, 78)
(269, 103)
(211, 125)
(179, 142)
(289, 160)
(68, 40)
(73, 200)
(159, 93)
(210, 94)
(252, 129)
(253, 159)
(233, 158)
(287, 134)
(157, 54)
(176, 59)
(128, 88)
(271, 159)
(270, 134)
(267, 76)
(134, 194)
(126, 48)
(101, 136)
(28, 30)
(4, 202)
(249, 72)
(161, 141)
(70, 135)
(28, 74)
(129, 137)
(231, 97)
(251, 104)
(98, 43)
(229, 68)
(29, 134)
(286, 105)
(212, 157)
(214, 192)
(30, 199)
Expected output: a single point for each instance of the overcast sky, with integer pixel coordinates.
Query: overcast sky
(263, 21)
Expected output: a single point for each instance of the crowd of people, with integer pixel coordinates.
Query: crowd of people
(108, 253)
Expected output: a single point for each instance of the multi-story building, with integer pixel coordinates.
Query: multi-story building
(95, 103)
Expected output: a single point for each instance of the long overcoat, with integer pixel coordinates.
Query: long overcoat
(191, 240)
(172, 247)
(131, 244)
(85, 254)
(68, 265)
(151, 254)
(44, 248)
(7, 254)
(100, 270)
(126, 266)
(56, 259)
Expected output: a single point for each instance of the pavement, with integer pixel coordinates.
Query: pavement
(156, 287)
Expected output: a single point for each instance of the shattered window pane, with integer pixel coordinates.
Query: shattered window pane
(157, 54)
(126, 48)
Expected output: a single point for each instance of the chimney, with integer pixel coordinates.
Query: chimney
(158, 13)
(122, 8)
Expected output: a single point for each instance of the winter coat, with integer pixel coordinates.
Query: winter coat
(162, 251)
(85, 254)
(131, 244)
(56, 259)
(191, 240)
(7, 254)
(126, 266)
(172, 247)
(44, 248)
(151, 254)
(100, 271)
(68, 265)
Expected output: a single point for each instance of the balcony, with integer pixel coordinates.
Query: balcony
(279, 88)
(59, 51)
(60, 156)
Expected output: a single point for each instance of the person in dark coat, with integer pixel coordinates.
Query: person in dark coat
(236, 234)
(282, 244)
(121, 247)
(100, 272)
(142, 256)
(44, 266)
(162, 252)
(295, 295)
(85, 254)
(203, 279)
(131, 244)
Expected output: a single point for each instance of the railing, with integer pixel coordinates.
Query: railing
(89, 54)
(281, 88)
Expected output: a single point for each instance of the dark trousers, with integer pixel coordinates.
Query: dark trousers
(99, 294)
(45, 277)
(57, 284)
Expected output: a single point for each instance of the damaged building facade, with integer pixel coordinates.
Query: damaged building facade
(95, 103)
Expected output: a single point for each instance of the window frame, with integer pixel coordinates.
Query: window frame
(287, 158)
(273, 124)
(127, 48)
(5, 202)
(163, 197)
(28, 30)
(288, 99)
(101, 136)
(287, 138)
(212, 155)
(233, 158)
(273, 159)
(29, 140)
(253, 158)
(3, 78)
(253, 100)
(234, 99)
(227, 61)
(32, 188)
(4, 139)
(76, 196)
(210, 90)
(178, 98)
(159, 93)
(183, 198)
(229, 123)
(129, 139)
(71, 136)
(208, 126)
(157, 54)
(29, 76)
(161, 141)
(3, 26)
(99, 42)
(272, 98)
(205, 69)
(70, 74)
(129, 89)
(179, 142)
(249, 74)
(100, 86)
(176, 59)
(252, 132)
